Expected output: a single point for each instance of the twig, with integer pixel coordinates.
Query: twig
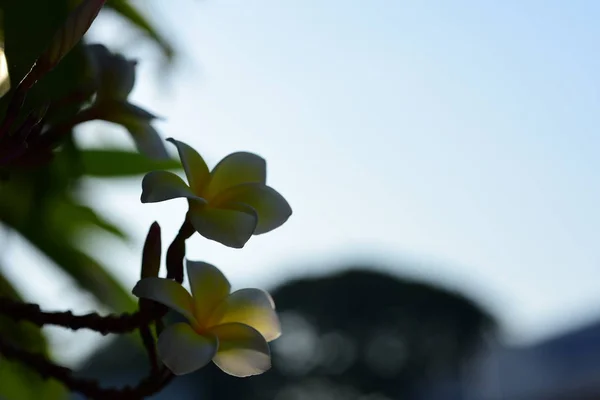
(149, 312)
(103, 324)
(149, 345)
(111, 323)
(88, 387)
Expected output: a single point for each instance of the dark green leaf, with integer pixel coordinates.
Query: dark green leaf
(21, 382)
(54, 239)
(138, 122)
(76, 217)
(29, 26)
(87, 272)
(69, 34)
(120, 163)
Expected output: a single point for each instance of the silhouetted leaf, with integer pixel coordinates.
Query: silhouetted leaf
(88, 273)
(29, 26)
(139, 124)
(20, 382)
(54, 238)
(69, 34)
(125, 9)
(80, 217)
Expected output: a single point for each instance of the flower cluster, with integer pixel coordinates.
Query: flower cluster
(228, 204)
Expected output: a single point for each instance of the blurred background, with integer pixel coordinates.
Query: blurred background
(441, 162)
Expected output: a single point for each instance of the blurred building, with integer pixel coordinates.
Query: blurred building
(566, 367)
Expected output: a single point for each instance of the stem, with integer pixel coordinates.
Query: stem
(74, 98)
(149, 345)
(176, 252)
(159, 327)
(61, 129)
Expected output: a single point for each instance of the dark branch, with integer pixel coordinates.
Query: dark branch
(103, 324)
(88, 387)
(149, 312)
(149, 345)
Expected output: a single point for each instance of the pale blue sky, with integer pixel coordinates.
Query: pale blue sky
(456, 139)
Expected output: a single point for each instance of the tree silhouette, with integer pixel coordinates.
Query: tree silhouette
(360, 334)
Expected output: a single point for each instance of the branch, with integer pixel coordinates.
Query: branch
(149, 312)
(153, 383)
(103, 324)
(58, 131)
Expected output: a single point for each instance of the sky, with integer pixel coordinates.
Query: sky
(448, 141)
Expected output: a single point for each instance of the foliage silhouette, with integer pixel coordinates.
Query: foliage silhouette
(363, 333)
(39, 201)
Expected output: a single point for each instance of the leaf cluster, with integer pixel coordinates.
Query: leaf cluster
(50, 82)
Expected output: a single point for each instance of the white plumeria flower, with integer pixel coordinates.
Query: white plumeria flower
(232, 330)
(229, 204)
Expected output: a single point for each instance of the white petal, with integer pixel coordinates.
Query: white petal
(4, 78)
(272, 209)
(195, 168)
(235, 169)
(137, 121)
(209, 288)
(167, 292)
(163, 185)
(148, 141)
(183, 350)
(232, 226)
(242, 350)
(252, 307)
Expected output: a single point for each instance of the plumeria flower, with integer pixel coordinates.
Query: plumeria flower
(232, 330)
(114, 77)
(114, 74)
(229, 204)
